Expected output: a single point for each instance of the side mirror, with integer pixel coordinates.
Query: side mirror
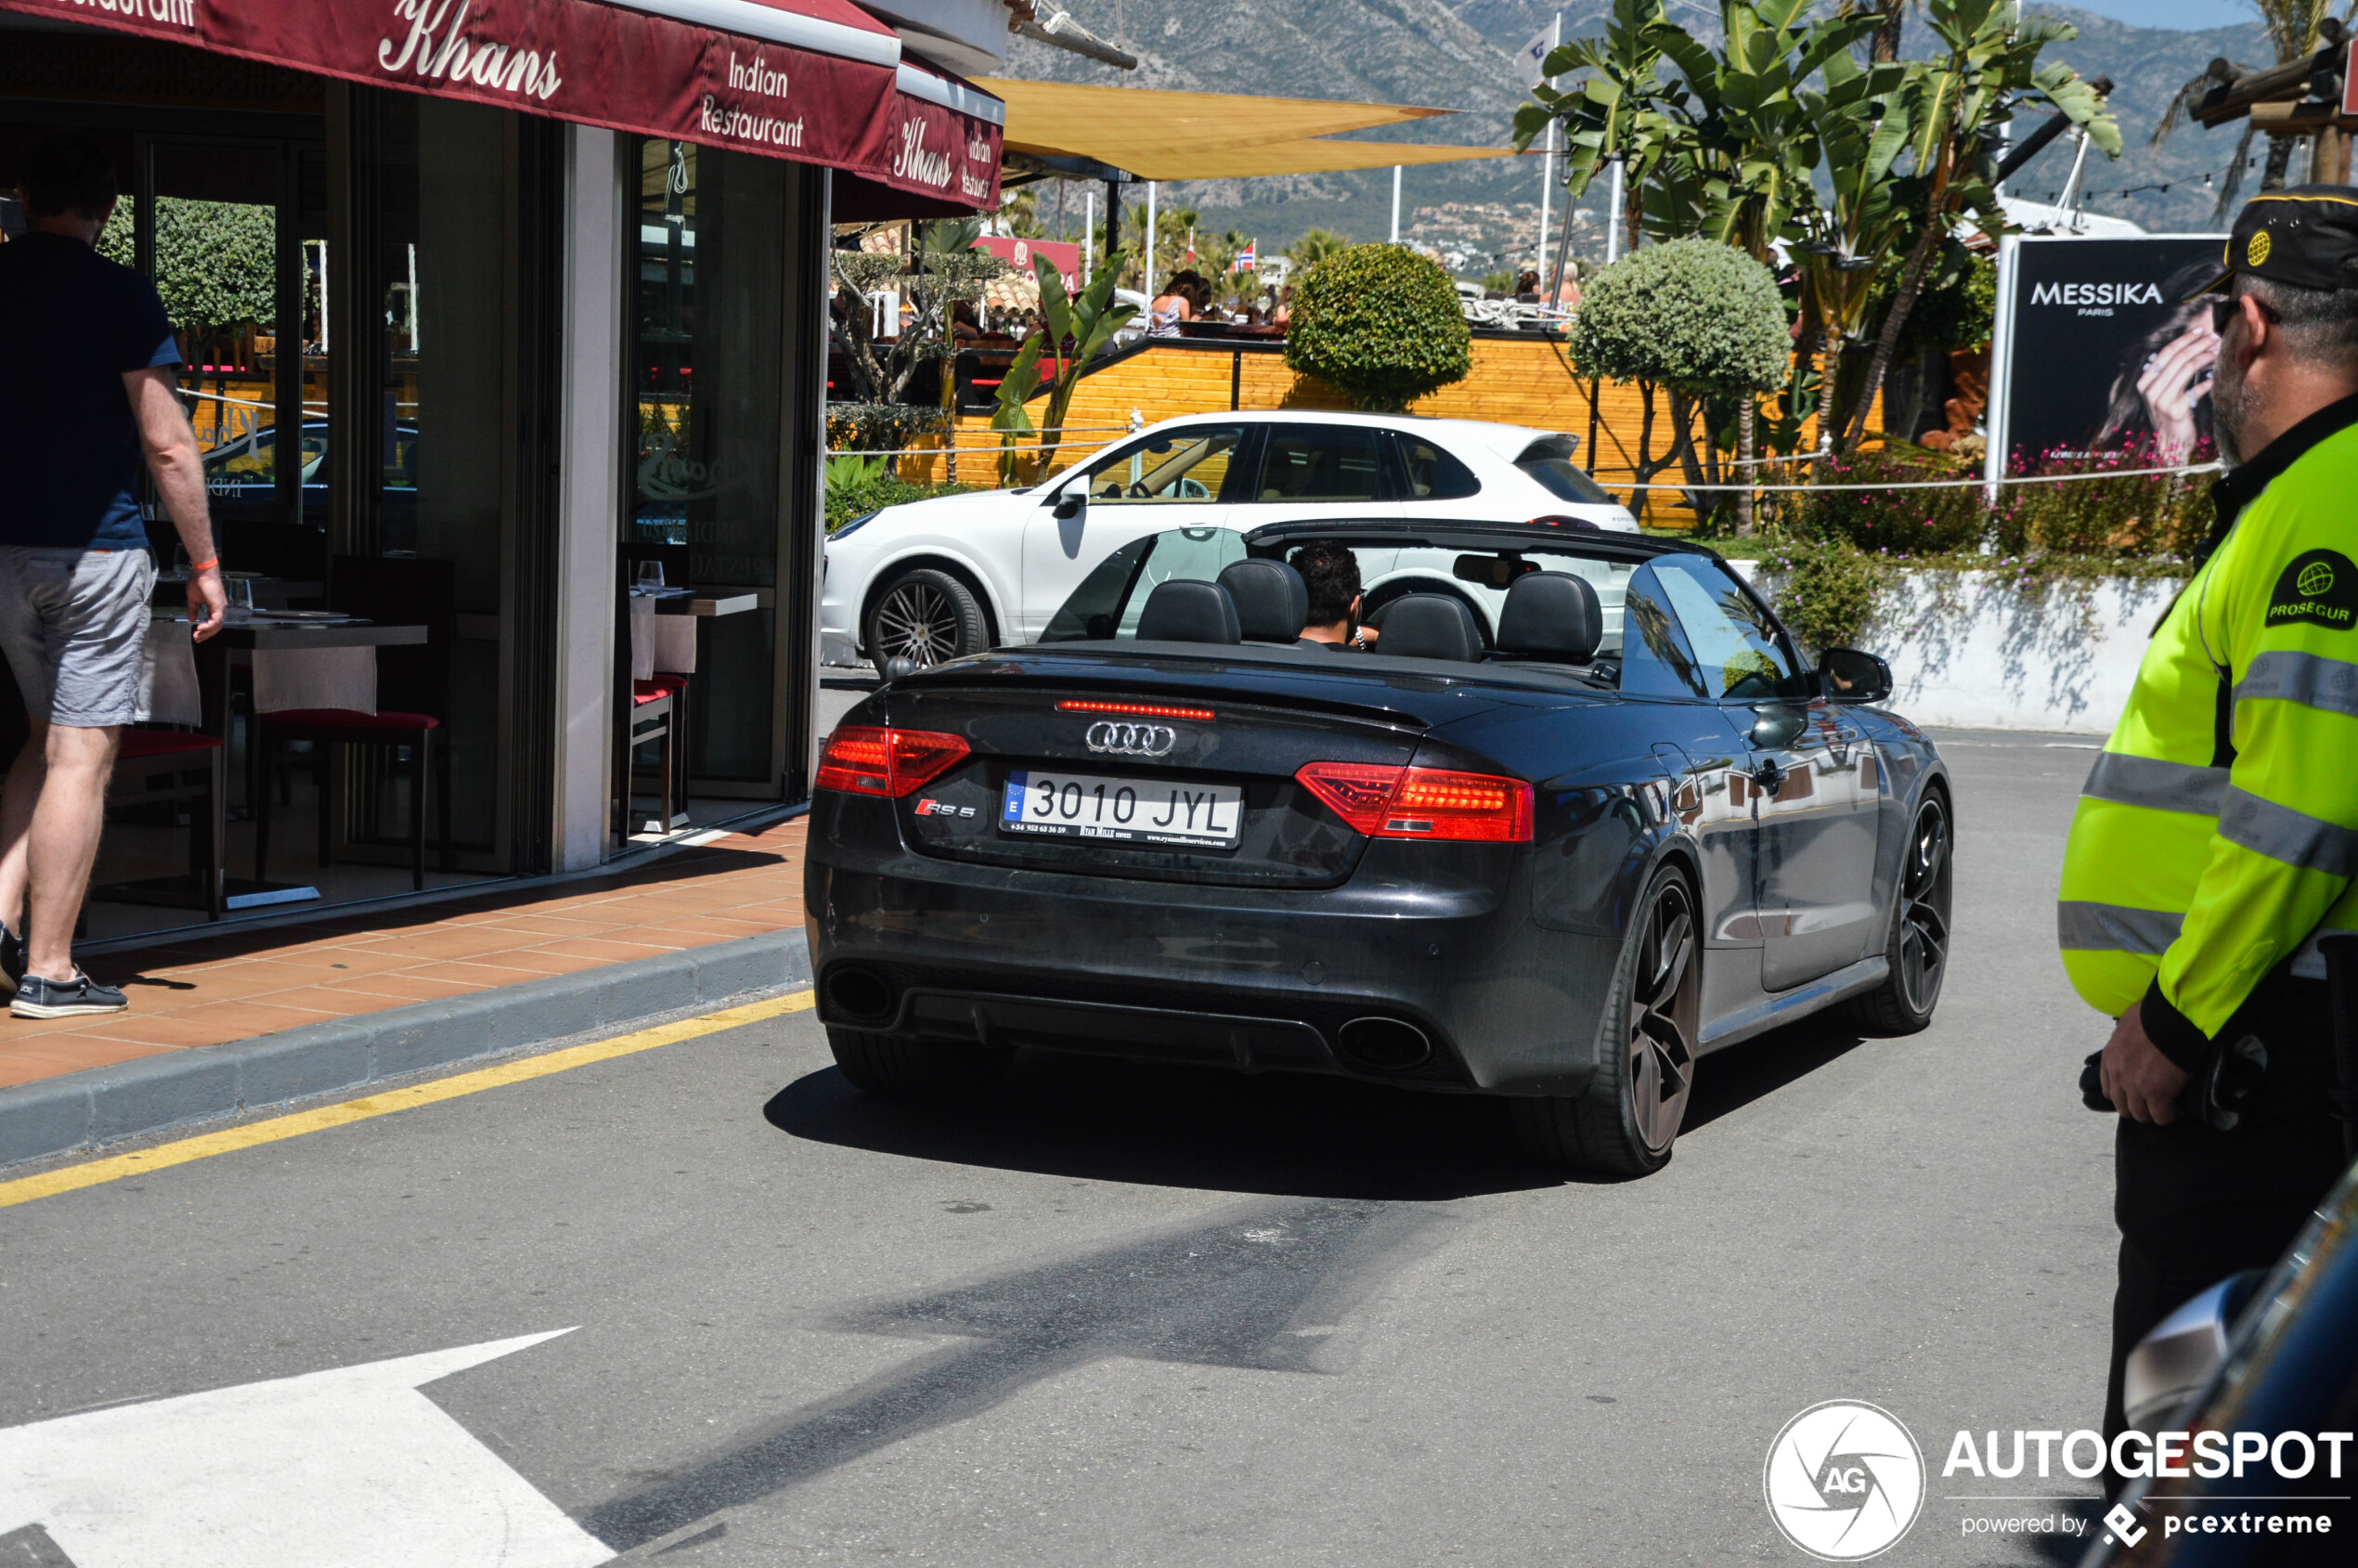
(1070, 504)
(1853, 677)
(2177, 1360)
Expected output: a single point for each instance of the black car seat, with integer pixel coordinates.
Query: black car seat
(1430, 626)
(1186, 611)
(1551, 618)
(1273, 603)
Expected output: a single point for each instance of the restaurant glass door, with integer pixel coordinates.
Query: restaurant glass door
(710, 259)
(232, 231)
(425, 542)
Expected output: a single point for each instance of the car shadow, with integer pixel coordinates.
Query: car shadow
(1730, 1080)
(1290, 1135)
(1102, 1118)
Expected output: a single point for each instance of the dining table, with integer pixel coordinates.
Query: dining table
(265, 632)
(707, 603)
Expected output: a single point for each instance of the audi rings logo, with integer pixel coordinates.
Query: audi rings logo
(1132, 740)
(1844, 1481)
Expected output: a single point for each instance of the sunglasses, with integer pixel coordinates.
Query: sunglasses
(2225, 308)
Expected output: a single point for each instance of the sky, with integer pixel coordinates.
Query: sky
(2191, 14)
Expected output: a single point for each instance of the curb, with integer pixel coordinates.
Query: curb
(84, 1109)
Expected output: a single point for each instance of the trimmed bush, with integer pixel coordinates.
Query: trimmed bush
(1693, 315)
(1381, 323)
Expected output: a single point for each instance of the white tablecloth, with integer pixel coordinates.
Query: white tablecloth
(660, 643)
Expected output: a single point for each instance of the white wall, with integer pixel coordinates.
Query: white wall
(589, 501)
(1969, 650)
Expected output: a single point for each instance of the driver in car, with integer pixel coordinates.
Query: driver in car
(1331, 573)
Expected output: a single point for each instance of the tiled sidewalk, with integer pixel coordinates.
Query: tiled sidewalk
(210, 990)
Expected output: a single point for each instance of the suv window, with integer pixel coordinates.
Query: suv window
(1428, 473)
(1112, 599)
(1551, 463)
(1321, 463)
(1176, 465)
(1738, 650)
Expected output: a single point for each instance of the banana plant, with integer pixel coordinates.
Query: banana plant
(1989, 68)
(1612, 113)
(1022, 379)
(1078, 328)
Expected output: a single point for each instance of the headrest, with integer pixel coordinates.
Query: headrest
(1430, 626)
(1273, 603)
(1184, 611)
(1551, 615)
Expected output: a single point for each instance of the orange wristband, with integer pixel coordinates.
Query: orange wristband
(204, 565)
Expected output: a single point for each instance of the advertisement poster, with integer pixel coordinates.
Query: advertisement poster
(2077, 319)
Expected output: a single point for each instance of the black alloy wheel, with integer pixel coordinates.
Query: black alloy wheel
(1628, 1119)
(1918, 948)
(927, 618)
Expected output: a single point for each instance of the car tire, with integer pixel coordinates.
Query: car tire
(916, 1069)
(926, 616)
(1628, 1120)
(1917, 947)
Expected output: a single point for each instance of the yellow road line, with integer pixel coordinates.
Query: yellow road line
(205, 1147)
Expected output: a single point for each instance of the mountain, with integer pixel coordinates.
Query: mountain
(1459, 57)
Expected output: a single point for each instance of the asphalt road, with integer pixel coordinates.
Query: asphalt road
(1107, 1316)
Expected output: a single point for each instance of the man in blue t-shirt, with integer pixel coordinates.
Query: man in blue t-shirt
(87, 392)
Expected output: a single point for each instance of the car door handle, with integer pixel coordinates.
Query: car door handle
(1768, 776)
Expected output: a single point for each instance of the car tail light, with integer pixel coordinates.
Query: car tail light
(1148, 709)
(1558, 520)
(1385, 803)
(861, 760)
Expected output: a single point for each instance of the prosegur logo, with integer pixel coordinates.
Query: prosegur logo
(1844, 1481)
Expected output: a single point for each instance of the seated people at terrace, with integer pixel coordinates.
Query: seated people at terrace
(1331, 574)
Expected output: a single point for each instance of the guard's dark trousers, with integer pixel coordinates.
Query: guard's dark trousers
(2196, 1205)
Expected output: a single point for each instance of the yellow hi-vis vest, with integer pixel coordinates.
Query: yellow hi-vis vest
(2218, 831)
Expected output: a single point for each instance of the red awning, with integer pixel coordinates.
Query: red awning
(815, 80)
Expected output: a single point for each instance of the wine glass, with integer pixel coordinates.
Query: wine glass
(240, 591)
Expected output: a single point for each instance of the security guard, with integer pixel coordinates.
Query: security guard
(2217, 836)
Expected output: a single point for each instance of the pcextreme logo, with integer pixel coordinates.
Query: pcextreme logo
(1844, 1481)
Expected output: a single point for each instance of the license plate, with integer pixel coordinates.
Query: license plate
(1121, 810)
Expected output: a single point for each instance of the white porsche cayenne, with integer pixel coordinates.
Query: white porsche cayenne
(934, 579)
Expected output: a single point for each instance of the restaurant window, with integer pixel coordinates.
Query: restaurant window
(439, 282)
(709, 241)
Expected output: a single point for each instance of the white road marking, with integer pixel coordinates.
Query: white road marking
(351, 1467)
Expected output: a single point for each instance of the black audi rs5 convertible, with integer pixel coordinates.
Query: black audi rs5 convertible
(1577, 816)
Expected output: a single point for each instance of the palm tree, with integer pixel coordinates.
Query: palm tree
(2291, 26)
(1314, 246)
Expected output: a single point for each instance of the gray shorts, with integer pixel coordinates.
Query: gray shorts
(74, 624)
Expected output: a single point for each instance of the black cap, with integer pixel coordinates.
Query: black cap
(2307, 237)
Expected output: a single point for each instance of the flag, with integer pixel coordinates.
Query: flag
(1530, 57)
(1248, 258)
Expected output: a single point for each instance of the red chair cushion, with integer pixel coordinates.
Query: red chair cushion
(349, 719)
(163, 742)
(645, 691)
(671, 680)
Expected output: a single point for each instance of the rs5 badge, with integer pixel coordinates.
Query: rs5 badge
(932, 807)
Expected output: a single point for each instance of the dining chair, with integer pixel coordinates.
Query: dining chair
(413, 702)
(657, 711)
(163, 761)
